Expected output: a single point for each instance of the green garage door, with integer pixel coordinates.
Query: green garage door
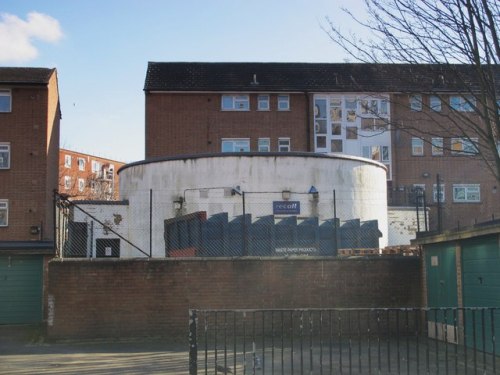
(481, 288)
(21, 289)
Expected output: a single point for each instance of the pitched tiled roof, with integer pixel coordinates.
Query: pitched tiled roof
(304, 77)
(36, 76)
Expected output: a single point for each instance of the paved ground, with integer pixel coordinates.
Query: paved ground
(23, 350)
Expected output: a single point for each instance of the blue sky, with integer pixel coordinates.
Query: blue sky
(101, 49)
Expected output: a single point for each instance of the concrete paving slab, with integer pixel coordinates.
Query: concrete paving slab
(24, 350)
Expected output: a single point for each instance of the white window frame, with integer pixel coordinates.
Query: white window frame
(435, 103)
(81, 184)
(264, 145)
(467, 146)
(284, 145)
(417, 149)
(240, 102)
(96, 166)
(462, 103)
(81, 164)
(4, 207)
(67, 161)
(441, 190)
(283, 102)
(468, 190)
(6, 93)
(437, 146)
(263, 103)
(67, 182)
(236, 143)
(416, 102)
(4, 149)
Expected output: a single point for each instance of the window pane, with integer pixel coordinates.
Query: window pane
(417, 146)
(320, 108)
(416, 102)
(263, 102)
(283, 145)
(321, 142)
(337, 145)
(383, 107)
(437, 146)
(284, 102)
(227, 102)
(264, 145)
(435, 103)
(4, 156)
(320, 127)
(4, 211)
(385, 153)
(5, 98)
(352, 132)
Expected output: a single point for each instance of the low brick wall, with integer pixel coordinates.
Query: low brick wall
(132, 298)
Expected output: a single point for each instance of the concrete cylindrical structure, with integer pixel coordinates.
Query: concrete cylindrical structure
(180, 185)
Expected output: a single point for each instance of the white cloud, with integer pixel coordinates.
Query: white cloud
(17, 35)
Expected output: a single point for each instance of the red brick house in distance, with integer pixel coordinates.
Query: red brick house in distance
(384, 112)
(88, 177)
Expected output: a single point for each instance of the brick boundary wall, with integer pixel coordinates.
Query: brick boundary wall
(136, 298)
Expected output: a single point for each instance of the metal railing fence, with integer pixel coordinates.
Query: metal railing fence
(341, 341)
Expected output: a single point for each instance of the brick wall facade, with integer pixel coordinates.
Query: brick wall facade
(32, 130)
(452, 168)
(127, 298)
(178, 124)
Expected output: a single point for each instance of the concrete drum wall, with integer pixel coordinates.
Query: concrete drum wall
(360, 186)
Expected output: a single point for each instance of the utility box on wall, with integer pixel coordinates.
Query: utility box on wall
(107, 247)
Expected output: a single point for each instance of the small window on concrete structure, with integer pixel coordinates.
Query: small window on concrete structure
(417, 146)
(4, 212)
(5, 101)
(263, 103)
(466, 193)
(416, 102)
(236, 145)
(437, 146)
(435, 103)
(284, 144)
(67, 161)
(283, 102)
(81, 164)
(4, 155)
(264, 145)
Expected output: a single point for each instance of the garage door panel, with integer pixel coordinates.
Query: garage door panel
(21, 280)
(481, 288)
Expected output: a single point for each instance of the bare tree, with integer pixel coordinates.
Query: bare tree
(455, 41)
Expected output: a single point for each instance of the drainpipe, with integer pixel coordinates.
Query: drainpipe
(308, 120)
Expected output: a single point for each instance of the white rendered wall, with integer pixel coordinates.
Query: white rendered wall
(359, 184)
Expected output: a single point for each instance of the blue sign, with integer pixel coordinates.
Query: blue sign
(286, 207)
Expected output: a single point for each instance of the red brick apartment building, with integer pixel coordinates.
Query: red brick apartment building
(388, 113)
(29, 153)
(83, 176)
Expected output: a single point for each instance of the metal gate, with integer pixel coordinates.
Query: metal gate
(354, 341)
